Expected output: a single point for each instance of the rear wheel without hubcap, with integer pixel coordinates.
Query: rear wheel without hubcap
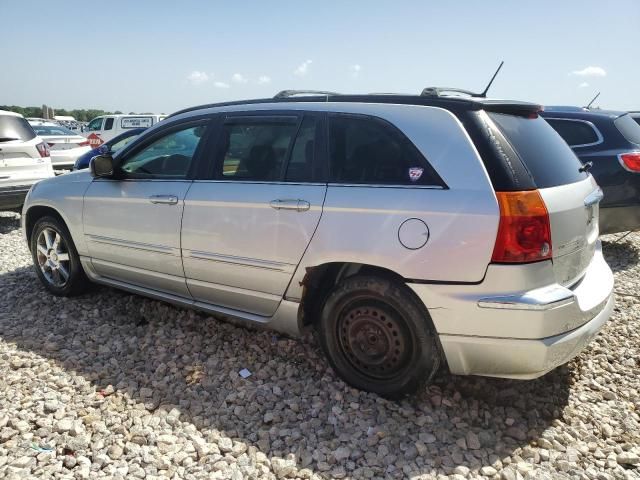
(378, 336)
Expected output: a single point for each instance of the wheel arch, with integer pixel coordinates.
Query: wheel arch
(35, 213)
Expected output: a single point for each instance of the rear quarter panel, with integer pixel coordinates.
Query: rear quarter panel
(361, 223)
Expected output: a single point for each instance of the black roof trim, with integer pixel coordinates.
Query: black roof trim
(447, 102)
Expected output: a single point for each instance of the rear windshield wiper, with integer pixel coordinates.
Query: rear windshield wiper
(7, 139)
(585, 167)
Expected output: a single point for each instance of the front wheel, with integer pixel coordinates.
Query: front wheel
(56, 259)
(378, 336)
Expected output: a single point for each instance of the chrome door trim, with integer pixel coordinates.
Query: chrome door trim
(164, 199)
(135, 245)
(243, 261)
(286, 318)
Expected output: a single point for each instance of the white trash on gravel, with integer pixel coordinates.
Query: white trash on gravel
(112, 385)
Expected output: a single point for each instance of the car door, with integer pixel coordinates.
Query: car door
(247, 224)
(132, 222)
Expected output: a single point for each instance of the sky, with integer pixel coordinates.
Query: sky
(160, 56)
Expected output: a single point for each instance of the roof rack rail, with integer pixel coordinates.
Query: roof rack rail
(438, 91)
(292, 93)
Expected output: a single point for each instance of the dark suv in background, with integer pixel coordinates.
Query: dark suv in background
(610, 141)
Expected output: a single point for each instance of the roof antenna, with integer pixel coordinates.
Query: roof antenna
(484, 93)
(593, 100)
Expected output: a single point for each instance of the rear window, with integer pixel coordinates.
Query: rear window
(52, 130)
(574, 132)
(628, 128)
(545, 154)
(15, 128)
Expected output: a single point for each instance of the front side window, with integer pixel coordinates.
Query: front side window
(108, 124)
(575, 133)
(369, 151)
(254, 149)
(95, 124)
(168, 157)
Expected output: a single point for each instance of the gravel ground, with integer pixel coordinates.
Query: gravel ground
(111, 385)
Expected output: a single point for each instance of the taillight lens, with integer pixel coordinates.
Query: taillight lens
(43, 150)
(630, 161)
(84, 144)
(524, 233)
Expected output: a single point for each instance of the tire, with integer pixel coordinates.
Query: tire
(54, 254)
(378, 336)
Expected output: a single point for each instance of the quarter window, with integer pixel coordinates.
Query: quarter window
(574, 133)
(370, 151)
(255, 150)
(168, 157)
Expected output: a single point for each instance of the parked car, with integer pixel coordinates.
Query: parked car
(409, 230)
(610, 142)
(105, 127)
(24, 159)
(113, 145)
(66, 146)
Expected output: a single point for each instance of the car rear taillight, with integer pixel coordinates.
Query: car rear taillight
(84, 144)
(630, 161)
(43, 150)
(524, 232)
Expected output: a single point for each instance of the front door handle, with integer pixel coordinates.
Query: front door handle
(290, 204)
(164, 199)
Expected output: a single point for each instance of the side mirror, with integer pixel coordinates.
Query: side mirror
(102, 165)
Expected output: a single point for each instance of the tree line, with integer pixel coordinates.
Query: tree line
(82, 115)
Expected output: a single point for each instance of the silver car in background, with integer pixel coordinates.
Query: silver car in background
(409, 230)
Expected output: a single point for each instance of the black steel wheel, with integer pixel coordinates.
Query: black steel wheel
(378, 336)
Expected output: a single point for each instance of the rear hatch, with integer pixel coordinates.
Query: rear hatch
(570, 195)
(20, 160)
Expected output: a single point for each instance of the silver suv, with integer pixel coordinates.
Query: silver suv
(409, 231)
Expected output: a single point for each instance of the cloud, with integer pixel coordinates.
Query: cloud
(590, 72)
(264, 80)
(197, 78)
(221, 85)
(583, 85)
(355, 70)
(239, 78)
(302, 69)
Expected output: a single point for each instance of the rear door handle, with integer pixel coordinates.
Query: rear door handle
(290, 204)
(163, 199)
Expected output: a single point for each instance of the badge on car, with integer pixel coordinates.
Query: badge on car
(415, 173)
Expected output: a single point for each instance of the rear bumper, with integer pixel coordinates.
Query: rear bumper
(524, 332)
(619, 219)
(517, 358)
(13, 197)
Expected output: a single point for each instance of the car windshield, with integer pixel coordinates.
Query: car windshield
(52, 130)
(628, 128)
(15, 128)
(122, 142)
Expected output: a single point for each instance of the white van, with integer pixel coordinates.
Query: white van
(104, 128)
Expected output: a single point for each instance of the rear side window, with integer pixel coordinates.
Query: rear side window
(301, 163)
(15, 128)
(628, 128)
(544, 153)
(574, 132)
(108, 124)
(256, 150)
(365, 150)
